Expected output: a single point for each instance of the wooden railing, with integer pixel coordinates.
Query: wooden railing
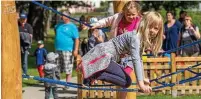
(93, 94)
(155, 67)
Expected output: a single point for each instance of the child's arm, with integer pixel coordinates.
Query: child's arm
(105, 22)
(137, 62)
(34, 54)
(45, 54)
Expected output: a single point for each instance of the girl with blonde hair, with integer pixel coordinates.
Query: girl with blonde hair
(98, 62)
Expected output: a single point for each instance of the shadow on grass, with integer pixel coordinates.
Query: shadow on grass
(33, 84)
(61, 91)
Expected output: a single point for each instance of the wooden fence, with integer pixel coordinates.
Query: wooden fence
(156, 67)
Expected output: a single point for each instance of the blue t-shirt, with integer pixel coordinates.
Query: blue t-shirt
(172, 36)
(40, 54)
(65, 36)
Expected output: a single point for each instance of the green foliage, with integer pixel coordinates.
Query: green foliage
(196, 18)
(169, 97)
(168, 5)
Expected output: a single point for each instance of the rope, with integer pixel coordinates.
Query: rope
(73, 85)
(188, 68)
(176, 49)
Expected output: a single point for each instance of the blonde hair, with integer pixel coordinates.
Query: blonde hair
(149, 20)
(130, 5)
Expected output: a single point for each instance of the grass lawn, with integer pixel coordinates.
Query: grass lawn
(169, 97)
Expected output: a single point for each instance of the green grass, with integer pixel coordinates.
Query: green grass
(32, 69)
(169, 97)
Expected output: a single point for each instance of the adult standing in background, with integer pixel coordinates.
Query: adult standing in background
(189, 34)
(172, 29)
(83, 30)
(26, 32)
(182, 15)
(66, 44)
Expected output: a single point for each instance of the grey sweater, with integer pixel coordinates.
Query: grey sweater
(130, 43)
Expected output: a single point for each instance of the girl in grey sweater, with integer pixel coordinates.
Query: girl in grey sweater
(148, 35)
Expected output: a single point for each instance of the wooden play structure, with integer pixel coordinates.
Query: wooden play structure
(11, 76)
(156, 67)
(11, 79)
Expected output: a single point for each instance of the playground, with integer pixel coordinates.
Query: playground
(170, 75)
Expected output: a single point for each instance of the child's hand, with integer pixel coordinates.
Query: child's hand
(144, 88)
(164, 37)
(96, 33)
(93, 26)
(146, 81)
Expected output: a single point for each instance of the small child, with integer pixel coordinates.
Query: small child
(52, 72)
(40, 54)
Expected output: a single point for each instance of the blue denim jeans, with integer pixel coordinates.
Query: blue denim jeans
(24, 59)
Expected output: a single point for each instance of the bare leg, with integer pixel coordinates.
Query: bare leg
(68, 77)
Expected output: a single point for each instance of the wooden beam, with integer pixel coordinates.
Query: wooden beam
(11, 81)
(165, 59)
(173, 78)
(188, 59)
(118, 6)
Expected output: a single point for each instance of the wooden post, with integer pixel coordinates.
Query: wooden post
(118, 6)
(11, 81)
(173, 69)
(79, 78)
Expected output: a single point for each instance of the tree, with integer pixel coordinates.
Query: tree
(39, 17)
(168, 5)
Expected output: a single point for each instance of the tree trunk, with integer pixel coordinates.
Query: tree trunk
(47, 18)
(36, 19)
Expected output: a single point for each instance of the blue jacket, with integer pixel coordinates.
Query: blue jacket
(40, 54)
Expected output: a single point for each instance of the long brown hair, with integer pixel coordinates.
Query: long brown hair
(149, 20)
